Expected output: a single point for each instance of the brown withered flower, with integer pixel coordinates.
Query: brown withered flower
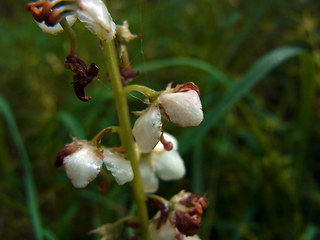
(188, 221)
(179, 218)
(83, 75)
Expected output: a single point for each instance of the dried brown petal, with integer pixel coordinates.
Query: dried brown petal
(82, 76)
(187, 87)
(187, 224)
(65, 151)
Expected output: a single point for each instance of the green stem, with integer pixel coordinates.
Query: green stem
(71, 34)
(127, 141)
(142, 89)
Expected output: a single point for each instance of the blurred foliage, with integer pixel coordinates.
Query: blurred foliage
(258, 164)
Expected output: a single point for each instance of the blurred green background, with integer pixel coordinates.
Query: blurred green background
(256, 155)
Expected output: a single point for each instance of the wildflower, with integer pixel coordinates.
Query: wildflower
(93, 13)
(167, 165)
(97, 18)
(180, 105)
(83, 161)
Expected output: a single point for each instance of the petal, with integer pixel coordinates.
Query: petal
(56, 29)
(182, 108)
(119, 167)
(147, 129)
(82, 166)
(150, 181)
(166, 232)
(168, 137)
(97, 18)
(169, 165)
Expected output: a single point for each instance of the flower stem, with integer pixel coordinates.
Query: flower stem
(125, 131)
(142, 89)
(71, 34)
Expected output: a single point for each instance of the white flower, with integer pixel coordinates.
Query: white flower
(167, 165)
(97, 18)
(82, 166)
(93, 13)
(83, 161)
(148, 129)
(119, 167)
(180, 105)
(182, 108)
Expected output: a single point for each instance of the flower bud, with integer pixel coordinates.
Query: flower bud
(147, 129)
(83, 164)
(182, 108)
(97, 18)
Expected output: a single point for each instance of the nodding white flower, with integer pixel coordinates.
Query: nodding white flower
(83, 161)
(97, 18)
(93, 13)
(167, 165)
(181, 105)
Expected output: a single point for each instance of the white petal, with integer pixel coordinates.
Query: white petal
(182, 108)
(119, 167)
(150, 181)
(168, 137)
(169, 165)
(56, 29)
(97, 18)
(147, 129)
(166, 232)
(82, 167)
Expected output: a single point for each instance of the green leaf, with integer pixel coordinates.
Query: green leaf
(217, 75)
(252, 77)
(30, 188)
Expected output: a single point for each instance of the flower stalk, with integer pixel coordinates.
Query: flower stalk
(125, 133)
(71, 34)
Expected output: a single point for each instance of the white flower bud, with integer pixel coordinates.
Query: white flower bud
(119, 167)
(147, 129)
(149, 179)
(97, 18)
(56, 29)
(82, 166)
(182, 108)
(169, 165)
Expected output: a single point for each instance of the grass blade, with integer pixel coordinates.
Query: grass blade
(28, 176)
(217, 75)
(253, 76)
(72, 124)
